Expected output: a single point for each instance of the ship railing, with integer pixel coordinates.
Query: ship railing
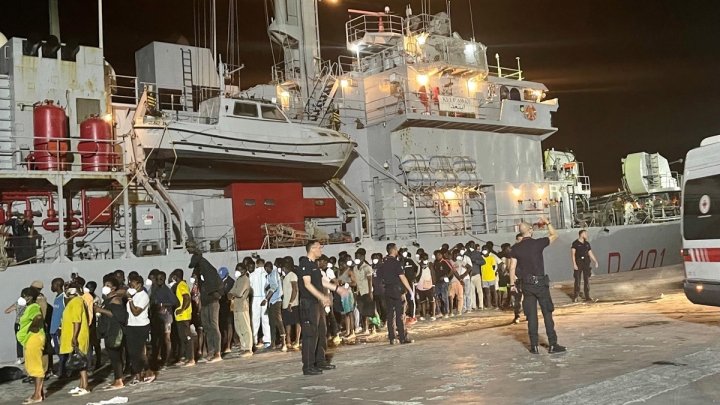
(505, 73)
(222, 239)
(62, 154)
(123, 90)
(288, 234)
(510, 222)
(358, 28)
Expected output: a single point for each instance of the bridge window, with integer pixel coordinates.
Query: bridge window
(514, 94)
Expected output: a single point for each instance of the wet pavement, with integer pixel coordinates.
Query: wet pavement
(656, 348)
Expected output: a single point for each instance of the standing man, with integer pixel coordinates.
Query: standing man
(527, 266)
(258, 284)
(581, 255)
(225, 315)
(57, 286)
(240, 305)
(364, 275)
(183, 316)
(396, 285)
(476, 291)
(273, 303)
(210, 292)
(314, 304)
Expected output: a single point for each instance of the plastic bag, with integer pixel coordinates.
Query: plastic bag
(77, 360)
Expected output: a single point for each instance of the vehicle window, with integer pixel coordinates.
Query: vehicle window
(701, 208)
(245, 110)
(271, 112)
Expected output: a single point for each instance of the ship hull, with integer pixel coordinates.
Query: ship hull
(622, 248)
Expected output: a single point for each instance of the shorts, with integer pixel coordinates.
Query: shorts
(365, 305)
(291, 317)
(163, 320)
(426, 295)
(488, 284)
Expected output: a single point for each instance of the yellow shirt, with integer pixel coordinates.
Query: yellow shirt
(75, 312)
(488, 269)
(181, 290)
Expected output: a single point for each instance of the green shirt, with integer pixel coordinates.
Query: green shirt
(31, 312)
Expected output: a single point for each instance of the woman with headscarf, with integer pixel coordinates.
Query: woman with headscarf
(111, 326)
(75, 336)
(32, 336)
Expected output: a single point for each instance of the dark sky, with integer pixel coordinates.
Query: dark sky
(631, 75)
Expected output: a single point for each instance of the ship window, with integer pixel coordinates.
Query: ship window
(271, 112)
(514, 94)
(530, 95)
(269, 203)
(504, 93)
(701, 208)
(245, 110)
(249, 202)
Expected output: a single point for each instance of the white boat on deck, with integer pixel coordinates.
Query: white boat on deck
(233, 140)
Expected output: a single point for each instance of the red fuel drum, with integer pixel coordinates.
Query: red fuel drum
(49, 137)
(96, 147)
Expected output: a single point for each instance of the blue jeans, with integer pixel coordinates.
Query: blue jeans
(441, 292)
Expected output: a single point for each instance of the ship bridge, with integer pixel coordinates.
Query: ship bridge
(415, 72)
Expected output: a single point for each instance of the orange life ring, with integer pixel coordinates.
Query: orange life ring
(529, 112)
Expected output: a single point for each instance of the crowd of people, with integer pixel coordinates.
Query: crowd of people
(147, 324)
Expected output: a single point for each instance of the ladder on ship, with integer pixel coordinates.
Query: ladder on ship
(323, 94)
(187, 73)
(6, 124)
(176, 231)
(352, 203)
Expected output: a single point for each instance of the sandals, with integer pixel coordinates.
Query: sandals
(31, 400)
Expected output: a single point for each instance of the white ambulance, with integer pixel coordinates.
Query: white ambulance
(701, 223)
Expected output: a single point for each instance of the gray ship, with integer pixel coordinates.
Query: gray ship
(414, 137)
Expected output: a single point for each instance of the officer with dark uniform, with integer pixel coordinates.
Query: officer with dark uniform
(396, 285)
(527, 267)
(313, 302)
(582, 254)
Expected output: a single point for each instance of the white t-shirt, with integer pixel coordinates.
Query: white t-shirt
(287, 291)
(141, 299)
(460, 266)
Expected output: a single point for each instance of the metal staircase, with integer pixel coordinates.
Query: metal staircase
(318, 106)
(187, 72)
(6, 122)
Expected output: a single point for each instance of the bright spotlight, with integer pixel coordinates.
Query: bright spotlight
(516, 192)
(423, 80)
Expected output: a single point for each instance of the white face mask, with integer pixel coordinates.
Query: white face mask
(132, 291)
(106, 290)
(471, 249)
(406, 254)
(329, 266)
(375, 261)
(71, 291)
(417, 256)
(238, 274)
(21, 302)
(192, 280)
(86, 290)
(425, 262)
(172, 283)
(484, 252)
(357, 261)
(349, 263)
(202, 278)
(462, 252)
(148, 283)
(458, 258)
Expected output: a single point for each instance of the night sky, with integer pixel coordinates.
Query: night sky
(632, 75)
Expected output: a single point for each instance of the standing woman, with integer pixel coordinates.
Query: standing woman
(138, 330)
(347, 278)
(75, 334)
(32, 336)
(112, 321)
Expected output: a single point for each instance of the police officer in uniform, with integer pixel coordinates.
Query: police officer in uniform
(314, 300)
(582, 254)
(396, 285)
(527, 267)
